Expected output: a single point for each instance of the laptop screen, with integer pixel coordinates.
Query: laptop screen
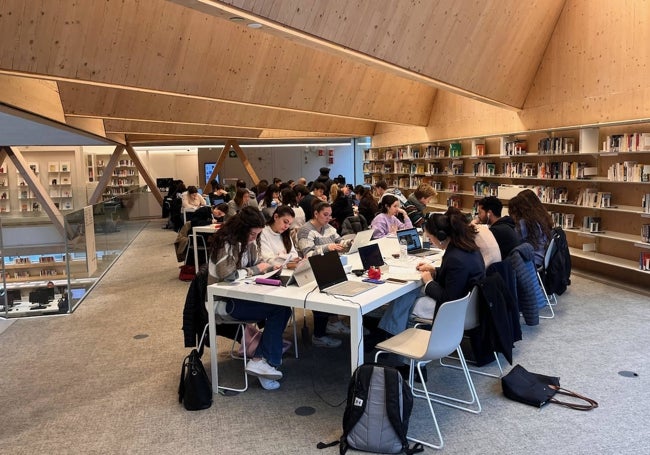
(412, 238)
(327, 269)
(370, 256)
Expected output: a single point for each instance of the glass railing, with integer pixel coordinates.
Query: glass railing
(46, 272)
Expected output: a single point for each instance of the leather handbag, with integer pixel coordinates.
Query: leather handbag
(537, 390)
(195, 389)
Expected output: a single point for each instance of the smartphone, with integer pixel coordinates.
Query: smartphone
(396, 280)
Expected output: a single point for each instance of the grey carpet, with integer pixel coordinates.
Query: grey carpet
(104, 379)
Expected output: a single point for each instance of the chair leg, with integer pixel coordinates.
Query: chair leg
(482, 373)
(428, 398)
(295, 332)
(245, 358)
(548, 300)
(451, 401)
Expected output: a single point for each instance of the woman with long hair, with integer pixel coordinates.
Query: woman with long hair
(532, 221)
(341, 207)
(270, 200)
(236, 254)
(317, 236)
(288, 197)
(276, 243)
(241, 200)
(368, 206)
(386, 221)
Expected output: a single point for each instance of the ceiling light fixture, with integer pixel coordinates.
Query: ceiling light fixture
(236, 19)
(254, 25)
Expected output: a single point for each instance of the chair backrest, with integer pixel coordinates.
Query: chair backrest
(550, 250)
(448, 327)
(472, 317)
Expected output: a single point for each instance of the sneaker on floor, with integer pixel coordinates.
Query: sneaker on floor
(337, 328)
(325, 342)
(269, 384)
(262, 369)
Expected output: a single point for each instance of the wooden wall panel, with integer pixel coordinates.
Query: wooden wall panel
(162, 46)
(475, 46)
(596, 66)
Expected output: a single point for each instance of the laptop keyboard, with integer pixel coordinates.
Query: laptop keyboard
(349, 288)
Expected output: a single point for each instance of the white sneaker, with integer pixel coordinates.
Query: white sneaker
(262, 369)
(337, 328)
(269, 384)
(325, 342)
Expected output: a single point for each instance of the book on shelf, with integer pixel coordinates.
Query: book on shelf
(644, 261)
(478, 147)
(604, 199)
(592, 224)
(455, 150)
(645, 203)
(454, 201)
(631, 142)
(645, 233)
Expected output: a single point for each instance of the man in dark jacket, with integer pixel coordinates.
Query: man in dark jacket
(503, 227)
(324, 178)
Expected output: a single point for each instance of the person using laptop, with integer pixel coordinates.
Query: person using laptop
(386, 221)
(275, 240)
(462, 267)
(317, 236)
(236, 254)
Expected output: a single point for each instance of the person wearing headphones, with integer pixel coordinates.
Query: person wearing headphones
(462, 266)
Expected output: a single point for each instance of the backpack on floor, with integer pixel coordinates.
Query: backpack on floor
(377, 413)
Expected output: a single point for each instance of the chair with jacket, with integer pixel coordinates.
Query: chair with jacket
(354, 224)
(530, 295)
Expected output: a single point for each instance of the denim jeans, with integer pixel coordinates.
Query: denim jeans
(396, 317)
(275, 317)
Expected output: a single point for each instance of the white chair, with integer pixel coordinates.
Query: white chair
(471, 322)
(203, 249)
(547, 259)
(422, 346)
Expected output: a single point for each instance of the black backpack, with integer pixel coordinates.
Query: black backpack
(557, 274)
(377, 413)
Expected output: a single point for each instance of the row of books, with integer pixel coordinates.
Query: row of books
(644, 261)
(629, 171)
(591, 197)
(482, 188)
(592, 224)
(556, 145)
(645, 233)
(514, 147)
(632, 142)
(564, 220)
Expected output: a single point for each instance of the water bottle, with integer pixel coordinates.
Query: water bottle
(403, 247)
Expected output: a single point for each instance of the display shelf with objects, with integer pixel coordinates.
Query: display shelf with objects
(5, 202)
(594, 175)
(59, 176)
(125, 176)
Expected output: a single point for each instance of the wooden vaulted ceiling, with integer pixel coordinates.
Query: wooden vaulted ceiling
(193, 71)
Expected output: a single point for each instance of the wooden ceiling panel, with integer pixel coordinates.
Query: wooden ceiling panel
(473, 46)
(93, 101)
(162, 46)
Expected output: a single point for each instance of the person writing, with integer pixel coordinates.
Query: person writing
(275, 240)
(236, 254)
(192, 199)
(386, 221)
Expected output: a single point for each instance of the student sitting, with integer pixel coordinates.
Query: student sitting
(386, 221)
(192, 199)
(236, 254)
(532, 221)
(276, 244)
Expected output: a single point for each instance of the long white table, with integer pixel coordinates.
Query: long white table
(308, 297)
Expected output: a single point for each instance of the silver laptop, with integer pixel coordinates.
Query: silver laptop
(331, 277)
(300, 276)
(360, 239)
(413, 244)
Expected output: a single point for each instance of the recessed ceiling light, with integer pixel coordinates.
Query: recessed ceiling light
(255, 25)
(236, 19)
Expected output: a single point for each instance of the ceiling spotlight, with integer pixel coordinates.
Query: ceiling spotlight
(236, 19)
(255, 25)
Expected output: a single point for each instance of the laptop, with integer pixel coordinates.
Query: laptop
(413, 244)
(360, 239)
(331, 277)
(371, 256)
(300, 276)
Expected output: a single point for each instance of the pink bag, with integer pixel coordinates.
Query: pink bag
(253, 336)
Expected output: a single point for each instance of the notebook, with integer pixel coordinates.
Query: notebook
(413, 244)
(360, 239)
(331, 277)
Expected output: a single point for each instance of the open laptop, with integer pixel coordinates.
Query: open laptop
(331, 277)
(360, 239)
(413, 244)
(371, 256)
(300, 276)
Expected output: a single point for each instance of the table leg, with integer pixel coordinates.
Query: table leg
(356, 340)
(196, 253)
(212, 327)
